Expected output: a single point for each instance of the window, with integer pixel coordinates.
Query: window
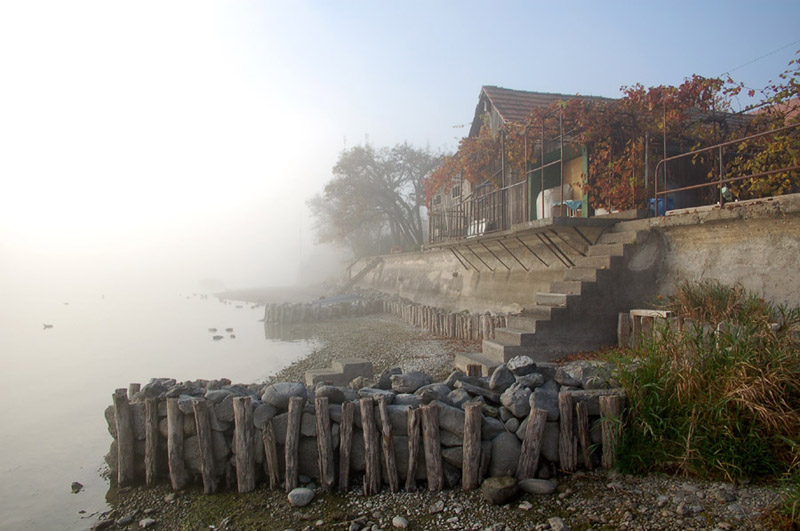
(437, 199)
(455, 192)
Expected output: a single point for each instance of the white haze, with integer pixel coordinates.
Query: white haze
(139, 149)
(157, 143)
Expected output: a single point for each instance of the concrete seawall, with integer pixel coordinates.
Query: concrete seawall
(755, 243)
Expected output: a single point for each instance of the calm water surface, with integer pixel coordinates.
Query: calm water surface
(57, 382)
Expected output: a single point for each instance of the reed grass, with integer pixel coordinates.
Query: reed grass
(719, 398)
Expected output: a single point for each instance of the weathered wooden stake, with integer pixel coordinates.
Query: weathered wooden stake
(324, 444)
(532, 444)
(345, 444)
(151, 441)
(293, 441)
(388, 446)
(271, 454)
(433, 449)
(244, 431)
(582, 415)
(471, 466)
(474, 370)
(372, 478)
(611, 414)
(200, 408)
(133, 388)
(177, 469)
(125, 440)
(567, 456)
(414, 418)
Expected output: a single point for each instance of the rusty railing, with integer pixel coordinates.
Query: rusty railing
(721, 178)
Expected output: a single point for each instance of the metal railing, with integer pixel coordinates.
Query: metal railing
(721, 177)
(495, 211)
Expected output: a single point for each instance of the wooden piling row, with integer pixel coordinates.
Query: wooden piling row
(380, 460)
(459, 325)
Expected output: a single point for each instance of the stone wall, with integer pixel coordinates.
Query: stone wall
(508, 400)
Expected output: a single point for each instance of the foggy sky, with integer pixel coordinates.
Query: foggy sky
(166, 142)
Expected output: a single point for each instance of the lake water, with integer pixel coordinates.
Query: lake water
(58, 381)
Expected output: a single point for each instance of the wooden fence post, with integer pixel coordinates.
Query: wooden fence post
(324, 444)
(471, 467)
(177, 468)
(345, 444)
(125, 440)
(372, 478)
(200, 408)
(433, 449)
(293, 441)
(151, 441)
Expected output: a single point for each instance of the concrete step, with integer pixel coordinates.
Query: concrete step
(607, 249)
(552, 299)
(598, 262)
(584, 274)
(514, 336)
(475, 358)
(570, 287)
(629, 236)
(501, 352)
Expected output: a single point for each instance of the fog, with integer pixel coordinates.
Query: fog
(160, 143)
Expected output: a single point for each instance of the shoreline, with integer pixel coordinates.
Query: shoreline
(584, 500)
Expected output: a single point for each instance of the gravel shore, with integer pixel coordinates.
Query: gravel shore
(594, 500)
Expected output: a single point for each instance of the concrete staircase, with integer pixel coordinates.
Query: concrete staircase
(579, 312)
(341, 373)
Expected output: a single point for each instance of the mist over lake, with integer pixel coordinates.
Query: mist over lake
(58, 381)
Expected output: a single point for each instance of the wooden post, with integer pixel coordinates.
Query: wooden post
(345, 444)
(372, 478)
(125, 440)
(324, 444)
(611, 414)
(151, 441)
(567, 451)
(133, 388)
(388, 446)
(200, 408)
(293, 441)
(243, 439)
(271, 454)
(471, 467)
(582, 412)
(414, 419)
(433, 449)
(474, 370)
(177, 469)
(532, 444)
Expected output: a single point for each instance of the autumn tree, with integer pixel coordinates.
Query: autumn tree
(373, 202)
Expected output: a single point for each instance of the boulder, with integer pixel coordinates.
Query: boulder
(375, 392)
(224, 410)
(385, 380)
(505, 455)
(263, 413)
(300, 497)
(458, 398)
(450, 418)
(409, 382)
(435, 391)
(501, 378)
(405, 399)
(532, 380)
(499, 490)
(217, 395)
(517, 399)
(278, 394)
(546, 397)
(335, 395)
(521, 365)
(538, 486)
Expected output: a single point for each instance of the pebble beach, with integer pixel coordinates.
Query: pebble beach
(584, 500)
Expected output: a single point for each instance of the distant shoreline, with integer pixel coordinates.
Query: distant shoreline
(269, 295)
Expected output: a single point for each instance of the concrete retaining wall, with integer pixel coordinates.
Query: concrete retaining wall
(755, 243)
